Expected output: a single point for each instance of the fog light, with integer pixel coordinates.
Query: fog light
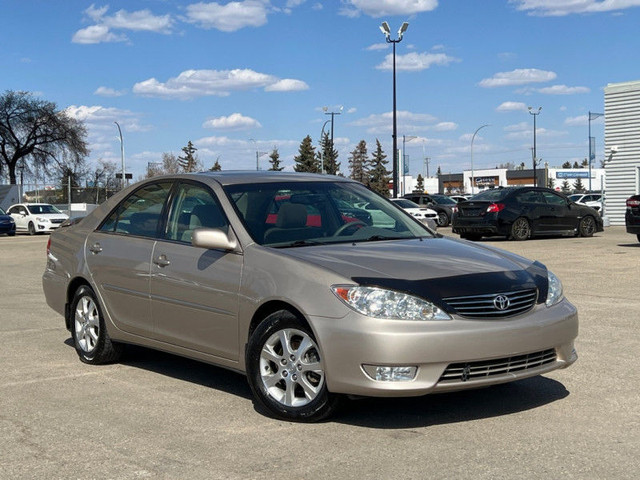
(390, 374)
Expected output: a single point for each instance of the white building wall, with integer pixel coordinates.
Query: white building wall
(621, 133)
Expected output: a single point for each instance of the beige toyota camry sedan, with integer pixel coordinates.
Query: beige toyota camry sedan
(285, 278)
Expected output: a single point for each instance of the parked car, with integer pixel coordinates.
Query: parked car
(632, 215)
(443, 205)
(459, 198)
(426, 215)
(523, 212)
(311, 313)
(7, 224)
(593, 200)
(36, 217)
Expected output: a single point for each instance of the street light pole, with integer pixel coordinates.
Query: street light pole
(592, 116)
(332, 115)
(258, 154)
(321, 144)
(387, 33)
(472, 173)
(121, 153)
(535, 156)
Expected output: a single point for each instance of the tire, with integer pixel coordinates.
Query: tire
(587, 227)
(12, 234)
(638, 237)
(90, 336)
(285, 371)
(443, 219)
(521, 229)
(31, 228)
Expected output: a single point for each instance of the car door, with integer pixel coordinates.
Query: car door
(194, 291)
(532, 205)
(20, 216)
(563, 218)
(118, 255)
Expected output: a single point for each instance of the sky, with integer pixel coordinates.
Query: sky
(236, 77)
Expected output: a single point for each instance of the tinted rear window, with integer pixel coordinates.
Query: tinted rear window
(491, 195)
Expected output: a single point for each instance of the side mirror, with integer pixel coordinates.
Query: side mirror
(212, 238)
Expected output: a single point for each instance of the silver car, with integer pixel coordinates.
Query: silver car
(280, 276)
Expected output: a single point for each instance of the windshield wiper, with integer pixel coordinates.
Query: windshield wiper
(376, 238)
(300, 243)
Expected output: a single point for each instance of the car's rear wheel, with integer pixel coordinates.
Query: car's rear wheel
(90, 336)
(285, 370)
(520, 229)
(638, 237)
(32, 228)
(587, 226)
(443, 219)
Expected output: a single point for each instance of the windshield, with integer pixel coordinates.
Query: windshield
(35, 209)
(443, 200)
(575, 198)
(491, 195)
(291, 214)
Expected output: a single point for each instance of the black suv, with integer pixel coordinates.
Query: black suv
(523, 212)
(632, 216)
(443, 205)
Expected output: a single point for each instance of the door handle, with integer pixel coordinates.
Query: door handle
(95, 248)
(162, 261)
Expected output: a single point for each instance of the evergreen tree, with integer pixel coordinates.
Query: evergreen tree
(329, 156)
(306, 160)
(565, 186)
(566, 164)
(189, 162)
(585, 163)
(216, 166)
(578, 187)
(575, 164)
(379, 175)
(358, 163)
(551, 183)
(439, 172)
(274, 160)
(420, 185)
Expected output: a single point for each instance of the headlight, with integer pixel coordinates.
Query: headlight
(42, 219)
(380, 303)
(554, 294)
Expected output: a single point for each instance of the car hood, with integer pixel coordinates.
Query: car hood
(51, 216)
(432, 268)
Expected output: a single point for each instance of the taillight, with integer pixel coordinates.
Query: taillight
(48, 246)
(633, 202)
(495, 207)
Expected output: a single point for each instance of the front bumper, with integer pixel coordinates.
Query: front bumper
(7, 227)
(46, 226)
(349, 343)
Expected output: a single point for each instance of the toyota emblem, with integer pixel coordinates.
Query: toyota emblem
(501, 302)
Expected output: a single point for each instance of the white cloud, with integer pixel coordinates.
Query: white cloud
(559, 8)
(378, 46)
(511, 107)
(563, 90)
(445, 126)
(230, 17)
(407, 121)
(235, 121)
(109, 92)
(141, 20)
(198, 83)
(415, 62)
(580, 120)
(380, 8)
(517, 127)
(287, 85)
(97, 117)
(352, 110)
(520, 76)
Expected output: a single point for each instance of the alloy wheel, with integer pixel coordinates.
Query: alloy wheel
(87, 324)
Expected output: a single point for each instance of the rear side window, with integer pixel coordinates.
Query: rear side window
(140, 213)
(530, 196)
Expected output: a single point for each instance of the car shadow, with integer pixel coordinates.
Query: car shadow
(629, 245)
(184, 369)
(381, 413)
(446, 408)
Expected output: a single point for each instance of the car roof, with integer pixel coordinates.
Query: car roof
(239, 177)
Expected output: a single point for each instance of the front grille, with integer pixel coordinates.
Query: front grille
(493, 305)
(462, 372)
(57, 220)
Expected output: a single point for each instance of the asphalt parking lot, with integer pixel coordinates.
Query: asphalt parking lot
(159, 416)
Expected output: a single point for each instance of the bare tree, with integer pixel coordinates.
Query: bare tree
(34, 130)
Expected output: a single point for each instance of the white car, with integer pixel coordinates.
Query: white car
(593, 200)
(36, 217)
(426, 215)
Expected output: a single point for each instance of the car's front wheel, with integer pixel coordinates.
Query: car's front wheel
(587, 227)
(285, 370)
(90, 336)
(520, 229)
(443, 219)
(32, 228)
